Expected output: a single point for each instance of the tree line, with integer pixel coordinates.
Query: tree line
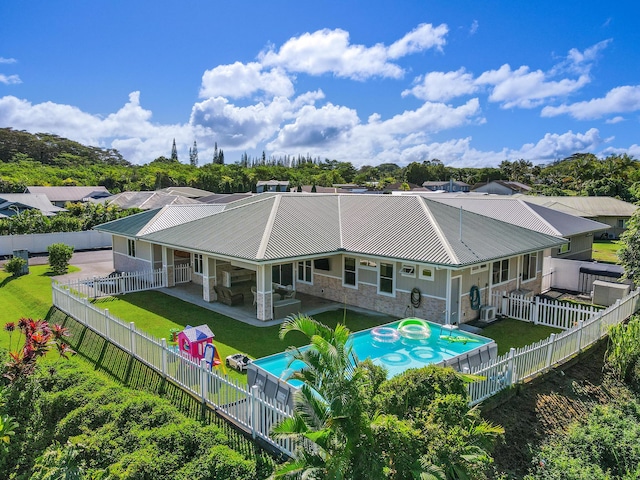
(45, 159)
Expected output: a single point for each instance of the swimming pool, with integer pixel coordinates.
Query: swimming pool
(397, 346)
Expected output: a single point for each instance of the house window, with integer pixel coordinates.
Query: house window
(622, 223)
(131, 247)
(364, 263)
(565, 248)
(500, 271)
(282, 274)
(529, 262)
(426, 273)
(408, 270)
(349, 271)
(479, 268)
(386, 277)
(197, 263)
(304, 271)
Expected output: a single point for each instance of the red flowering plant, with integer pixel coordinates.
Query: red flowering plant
(39, 338)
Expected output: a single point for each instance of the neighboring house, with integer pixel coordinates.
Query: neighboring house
(368, 251)
(333, 189)
(224, 197)
(59, 196)
(501, 187)
(578, 231)
(148, 200)
(447, 186)
(615, 213)
(272, 186)
(188, 192)
(13, 203)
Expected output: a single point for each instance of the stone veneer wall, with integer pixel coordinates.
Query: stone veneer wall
(125, 263)
(366, 296)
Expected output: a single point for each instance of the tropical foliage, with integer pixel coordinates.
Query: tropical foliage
(59, 256)
(629, 253)
(352, 423)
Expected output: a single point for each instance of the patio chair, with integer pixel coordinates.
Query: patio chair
(289, 294)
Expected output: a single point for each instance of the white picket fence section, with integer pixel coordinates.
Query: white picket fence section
(246, 407)
(182, 273)
(524, 363)
(542, 311)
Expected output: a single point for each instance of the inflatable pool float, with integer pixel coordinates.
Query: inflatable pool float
(395, 358)
(385, 335)
(414, 329)
(426, 355)
(458, 339)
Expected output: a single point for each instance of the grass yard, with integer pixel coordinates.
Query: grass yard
(509, 333)
(605, 250)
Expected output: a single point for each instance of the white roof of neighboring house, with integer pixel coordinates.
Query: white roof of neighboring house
(70, 194)
(585, 206)
(23, 201)
(518, 211)
(186, 191)
(272, 227)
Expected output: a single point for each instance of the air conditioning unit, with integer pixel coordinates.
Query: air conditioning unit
(487, 313)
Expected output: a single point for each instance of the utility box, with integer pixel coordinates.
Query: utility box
(606, 293)
(24, 254)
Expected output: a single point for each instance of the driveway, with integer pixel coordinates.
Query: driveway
(92, 263)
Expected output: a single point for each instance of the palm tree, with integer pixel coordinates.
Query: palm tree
(330, 418)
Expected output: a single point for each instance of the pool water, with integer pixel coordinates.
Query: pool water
(393, 351)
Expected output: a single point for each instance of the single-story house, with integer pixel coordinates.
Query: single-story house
(611, 211)
(272, 186)
(579, 232)
(59, 196)
(224, 197)
(447, 186)
(13, 203)
(189, 192)
(501, 187)
(388, 253)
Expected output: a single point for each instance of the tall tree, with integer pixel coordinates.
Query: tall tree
(174, 152)
(193, 155)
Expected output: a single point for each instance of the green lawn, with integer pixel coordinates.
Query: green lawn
(510, 333)
(605, 250)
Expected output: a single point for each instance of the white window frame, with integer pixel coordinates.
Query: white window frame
(131, 247)
(307, 271)
(479, 268)
(198, 266)
(526, 276)
(380, 278)
(408, 270)
(430, 277)
(565, 248)
(355, 272)
(367, 264)
(501, 270)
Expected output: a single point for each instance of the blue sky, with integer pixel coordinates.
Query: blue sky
(470, 83)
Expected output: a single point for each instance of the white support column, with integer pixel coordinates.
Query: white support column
(208, 279)
(264, 300)
(168, 265)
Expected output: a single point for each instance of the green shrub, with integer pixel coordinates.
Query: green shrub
(624, 348)
(59, 256)
(15, 266)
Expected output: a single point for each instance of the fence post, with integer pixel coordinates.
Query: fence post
(86, 311)
(580, 325)
(95, 288)
(510, 364)
(132, 335)
(535, 305)
(203, 380)
(552, 341)
(254, 409)
(505, 305)
(107, 320)
(163, 342)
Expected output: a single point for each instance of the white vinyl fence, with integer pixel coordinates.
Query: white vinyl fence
(245, 407)
(523, 363)
(38, 242)
(249, 409)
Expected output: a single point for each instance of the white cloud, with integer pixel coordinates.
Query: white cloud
(618, 100)
(441, 86)
(614, 120)
(9, 79)
(240, 80)
(424, 37)
(7, 60)
(578, 62)
(474, 28)
(330, 51)
(526, 89)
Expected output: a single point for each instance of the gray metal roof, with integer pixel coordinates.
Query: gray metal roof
(412, 228)
(186, 191)
(148, 200)
(518, 211)
(159, 219)
(70, 194)
(586, 206)
(27, 201)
